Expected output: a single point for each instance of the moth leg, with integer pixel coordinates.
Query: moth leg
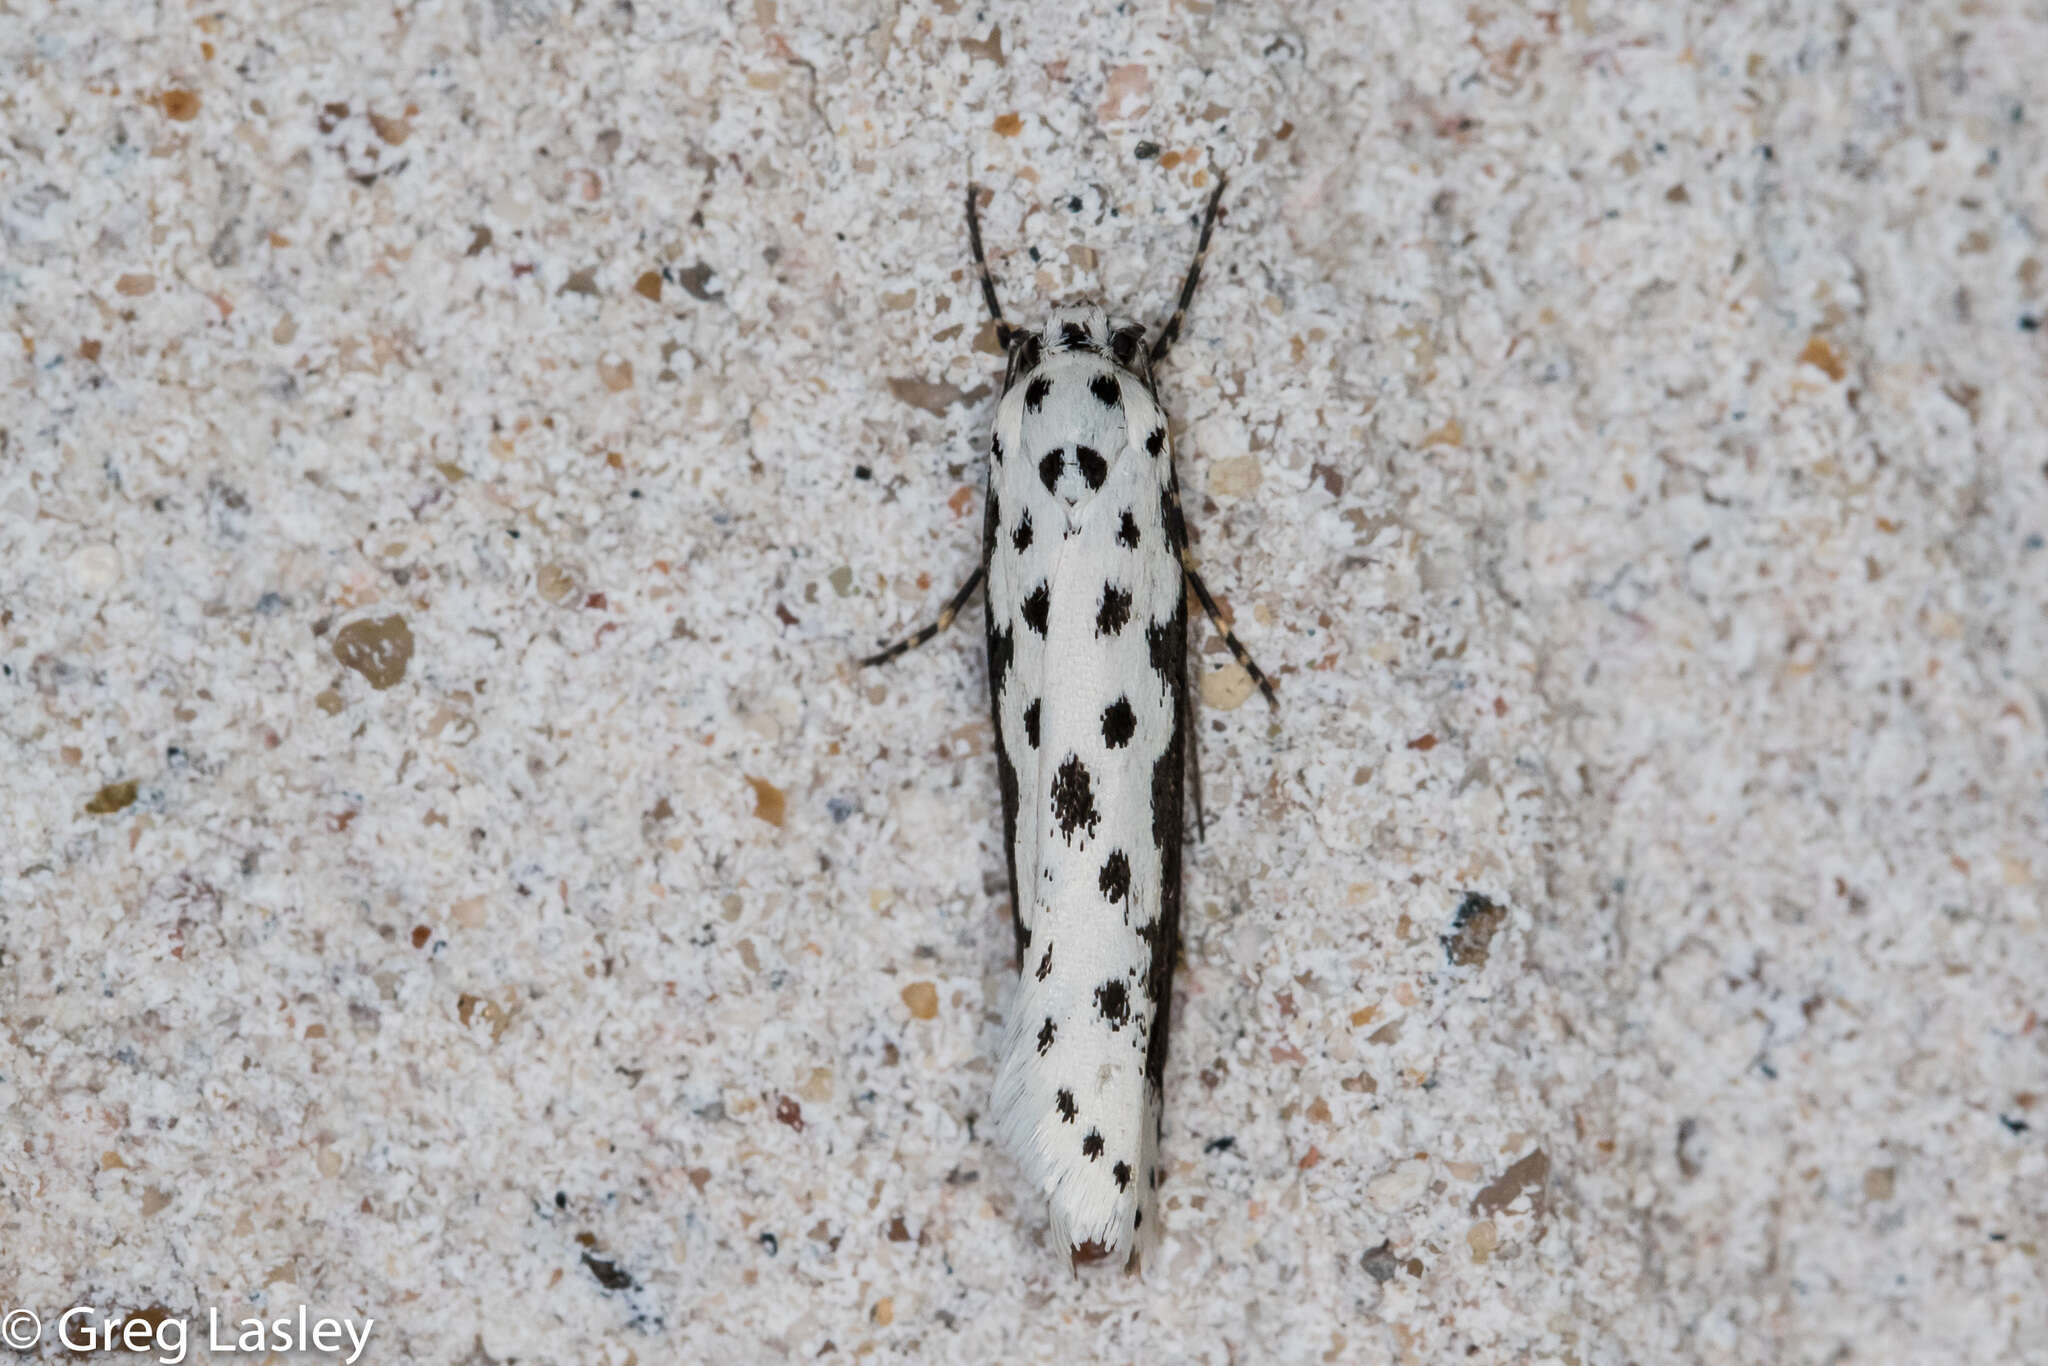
(922, 634)
(1176, 530)
(1004, 332)
(1237, 650)
(1171, 333)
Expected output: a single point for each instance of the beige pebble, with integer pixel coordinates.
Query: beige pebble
(1482, 1238)
(95, 568)
(1235, 477)
(554, 581)
(1394, 1189)
(1227, 688)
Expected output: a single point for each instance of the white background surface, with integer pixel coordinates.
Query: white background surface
(1618, 427)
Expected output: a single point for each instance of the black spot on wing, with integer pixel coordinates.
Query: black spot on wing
(1050, 468)
(1122, 1172)
(1002, 648)
(995, 448)
(1119, 723)
(1127, 531)
(1073, 799)
(1114, 611)
(1155, 441)
(1065, 1102)
(1115, 881)
(1094, 469)
(1163, 649)
(1113, 999)
(1176, 525)
(1038, 608)
(1031, 724)
(1035, 392)
(1107, 391)
(1045, 964)
(1045, 1036)
(1021, 537)
(1091, 1146)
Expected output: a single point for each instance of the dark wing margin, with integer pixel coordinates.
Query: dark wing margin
(1168, 820)
(1001, 662)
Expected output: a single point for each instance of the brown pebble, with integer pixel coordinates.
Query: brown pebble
(769, 802)
(377, 648)
(393, 131)
(1823, 357)
(1531, 1173)
(1472, 931)
(111, 798)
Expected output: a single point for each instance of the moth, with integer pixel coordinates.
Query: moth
(1084, 550)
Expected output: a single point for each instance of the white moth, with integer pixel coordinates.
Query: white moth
(1085, 552)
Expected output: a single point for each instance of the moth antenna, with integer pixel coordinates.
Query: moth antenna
(1171, 333)
(1005, 334)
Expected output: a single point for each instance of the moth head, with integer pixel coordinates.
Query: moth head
(1083, 327)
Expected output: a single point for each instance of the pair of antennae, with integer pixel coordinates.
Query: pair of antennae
(1005, 334)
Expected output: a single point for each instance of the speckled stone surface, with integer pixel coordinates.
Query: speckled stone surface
(452, 873)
